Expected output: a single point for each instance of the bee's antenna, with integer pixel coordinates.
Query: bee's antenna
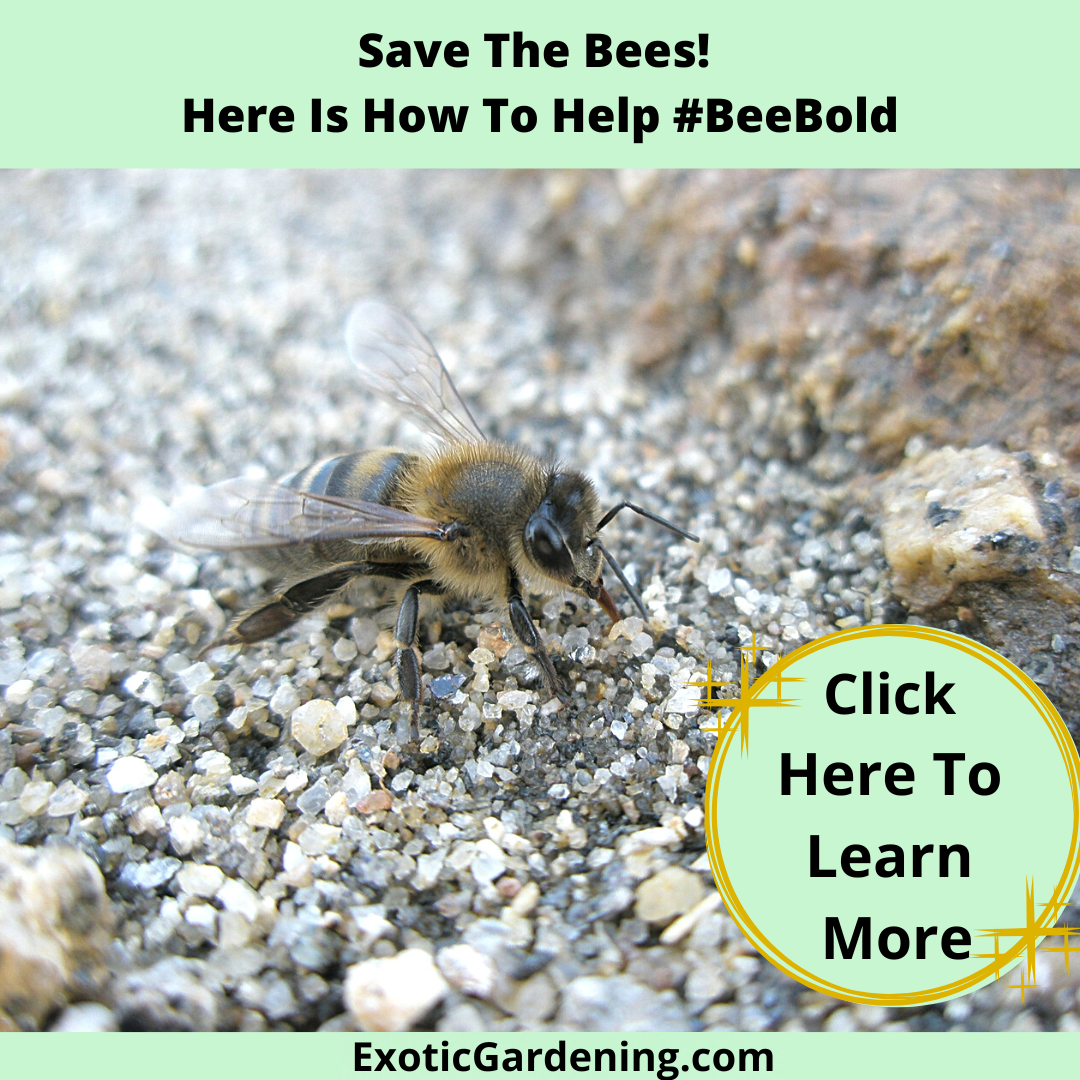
(644, 513)
(634, 595)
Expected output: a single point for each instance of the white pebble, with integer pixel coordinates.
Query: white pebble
(18, 692)
(265, 813)
(200, 879)
(242, 785)
(68, 798)
(129, 774)
(185, 833)
(467, 969)
(146, 686)
(239, 897)
(394, 993)
(318, 727)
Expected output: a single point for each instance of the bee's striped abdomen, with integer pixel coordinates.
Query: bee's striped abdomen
(370, 476)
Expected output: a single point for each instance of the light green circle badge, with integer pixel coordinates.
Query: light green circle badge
(892, 815)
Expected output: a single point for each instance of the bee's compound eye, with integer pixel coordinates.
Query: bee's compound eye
(545, 545)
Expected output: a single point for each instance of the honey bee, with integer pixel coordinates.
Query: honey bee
(473, 519)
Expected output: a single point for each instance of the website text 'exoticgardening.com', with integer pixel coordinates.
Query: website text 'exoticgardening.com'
(489, 1057)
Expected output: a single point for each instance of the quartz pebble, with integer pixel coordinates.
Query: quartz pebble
(200, 879)
(55, 930)
(467, 970)
(319, 727)
(667, 894)
(129, 774)
(265, 813)
(394, 993)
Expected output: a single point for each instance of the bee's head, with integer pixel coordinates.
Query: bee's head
(559, 536)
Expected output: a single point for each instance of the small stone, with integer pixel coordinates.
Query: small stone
(94, 665)
(185, 834)
(467, 970)
(618, 1003)
(318, 839)
(318, 727)
(314, 799)
(393, 993)
(668, 894)
(285, 699)
(336, 808)
(265, 813)
(19, 692)
(200, 879)
(242, 785)
(147, 819)
(239, 897)
(55, 930)
(149, 875)
(129, 774)
(86, 1016)
(146, 686)
(68, 798)
(488, 863)
(383, 695)
(196, 678)
(377, 800)
(940, 510)
(35, 797)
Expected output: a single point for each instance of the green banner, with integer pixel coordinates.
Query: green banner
(337, 84)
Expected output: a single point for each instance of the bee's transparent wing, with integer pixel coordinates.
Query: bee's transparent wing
(397, 362)
(245, 515)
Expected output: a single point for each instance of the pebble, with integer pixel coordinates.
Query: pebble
(55, 930)
(200, 879)
(284, 700)
(35, 797)
(239, 897)
(86, 1016)
(146, 686)
(667, 894)
(318, 727)
(149, 875)
(68, 798)
(129, 774)
(393, 993)
(265, 813)
(467, 970)
(618, 1003)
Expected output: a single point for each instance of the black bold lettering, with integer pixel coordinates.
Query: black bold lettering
(787, 774)
(718, 117)
(577, 114)
(807, 114)
(836, 680)
(205, 114)
(834, 936)
(597, 50)
(370, 53)
(937, 698)
(815, 858)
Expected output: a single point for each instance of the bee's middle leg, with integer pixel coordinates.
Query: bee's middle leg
(406, 633)
(529, 636)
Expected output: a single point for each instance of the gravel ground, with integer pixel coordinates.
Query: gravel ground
(261, 838)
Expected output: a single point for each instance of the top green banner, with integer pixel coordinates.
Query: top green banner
(685, 83)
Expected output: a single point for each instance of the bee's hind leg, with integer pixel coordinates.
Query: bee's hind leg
(529, 636)
(406, 634)
(286, 608)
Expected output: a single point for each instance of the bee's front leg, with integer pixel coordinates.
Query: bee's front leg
(529, 636)
(406, 633)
